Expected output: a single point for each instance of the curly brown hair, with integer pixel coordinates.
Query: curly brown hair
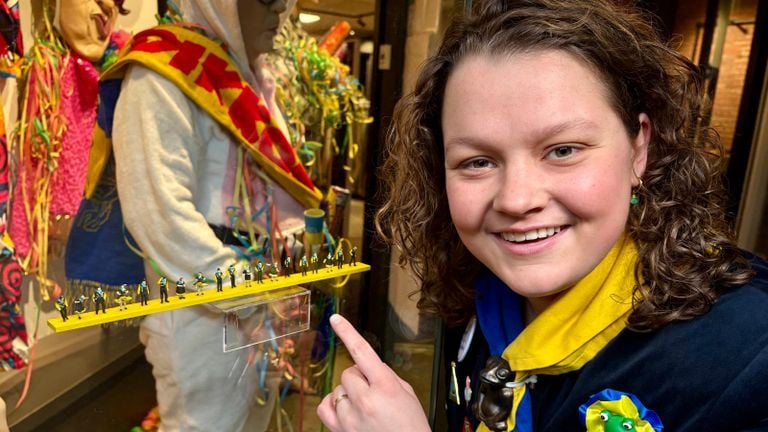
(686, 252)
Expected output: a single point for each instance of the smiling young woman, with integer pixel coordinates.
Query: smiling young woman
(549, 186)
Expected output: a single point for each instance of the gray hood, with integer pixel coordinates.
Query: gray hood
(221, 19)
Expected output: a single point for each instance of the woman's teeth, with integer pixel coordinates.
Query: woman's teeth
(531, 235)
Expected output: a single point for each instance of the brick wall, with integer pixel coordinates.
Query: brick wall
(734, 61)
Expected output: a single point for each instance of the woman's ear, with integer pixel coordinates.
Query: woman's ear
(640, 147)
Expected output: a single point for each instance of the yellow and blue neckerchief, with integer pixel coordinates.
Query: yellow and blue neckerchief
(566, 335)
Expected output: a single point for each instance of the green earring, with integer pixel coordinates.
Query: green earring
(634, 199)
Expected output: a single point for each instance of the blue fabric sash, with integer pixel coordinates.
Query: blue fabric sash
(97, 252)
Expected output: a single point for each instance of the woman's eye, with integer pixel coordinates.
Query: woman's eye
(562, 152)
(478, 164)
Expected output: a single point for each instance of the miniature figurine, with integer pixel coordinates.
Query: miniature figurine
(340, 257)
(181, 288)
(353, 256)
(303, 265)
(315, 262)
(199, 283)
(99, 300)
(61, 305)
(273, 271)
(219, 282)
(78, 306)
(124, 296)
(163, 283)
(287, 267)
(328, 262)
(143, 292)
(259, 272)
(247, 275)
(231, 271)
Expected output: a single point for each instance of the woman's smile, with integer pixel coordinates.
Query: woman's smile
(530, 235)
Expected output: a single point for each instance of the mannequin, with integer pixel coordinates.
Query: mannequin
(175, 164)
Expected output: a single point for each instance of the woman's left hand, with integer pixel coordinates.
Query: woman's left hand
(371, 396)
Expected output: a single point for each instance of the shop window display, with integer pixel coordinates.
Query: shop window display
(260, 226)
(322, 109)
(262, 203)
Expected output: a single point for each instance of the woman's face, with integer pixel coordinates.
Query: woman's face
(260, 23)
(539, 168)
(87, 24)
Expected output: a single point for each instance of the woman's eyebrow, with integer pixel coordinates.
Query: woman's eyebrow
(562, 126)
(538, 134)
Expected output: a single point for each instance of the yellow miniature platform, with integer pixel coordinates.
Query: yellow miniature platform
(191, 298)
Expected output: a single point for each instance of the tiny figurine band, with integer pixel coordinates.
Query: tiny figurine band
(339, 398)
(270, 283)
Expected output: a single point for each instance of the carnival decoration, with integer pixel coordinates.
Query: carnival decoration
(11, 44)
(13, 333)
(52, 140)
(319, 97)
(325, 109)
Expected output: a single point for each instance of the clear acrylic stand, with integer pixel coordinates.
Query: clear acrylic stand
(263, 317)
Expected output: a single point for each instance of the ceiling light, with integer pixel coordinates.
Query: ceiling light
(308, 18)
(366, 47)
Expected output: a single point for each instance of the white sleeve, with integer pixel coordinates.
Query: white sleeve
(158, 147)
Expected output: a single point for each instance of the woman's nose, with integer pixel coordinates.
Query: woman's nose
(520, 192)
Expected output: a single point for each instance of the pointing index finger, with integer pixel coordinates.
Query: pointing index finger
(361, 352)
